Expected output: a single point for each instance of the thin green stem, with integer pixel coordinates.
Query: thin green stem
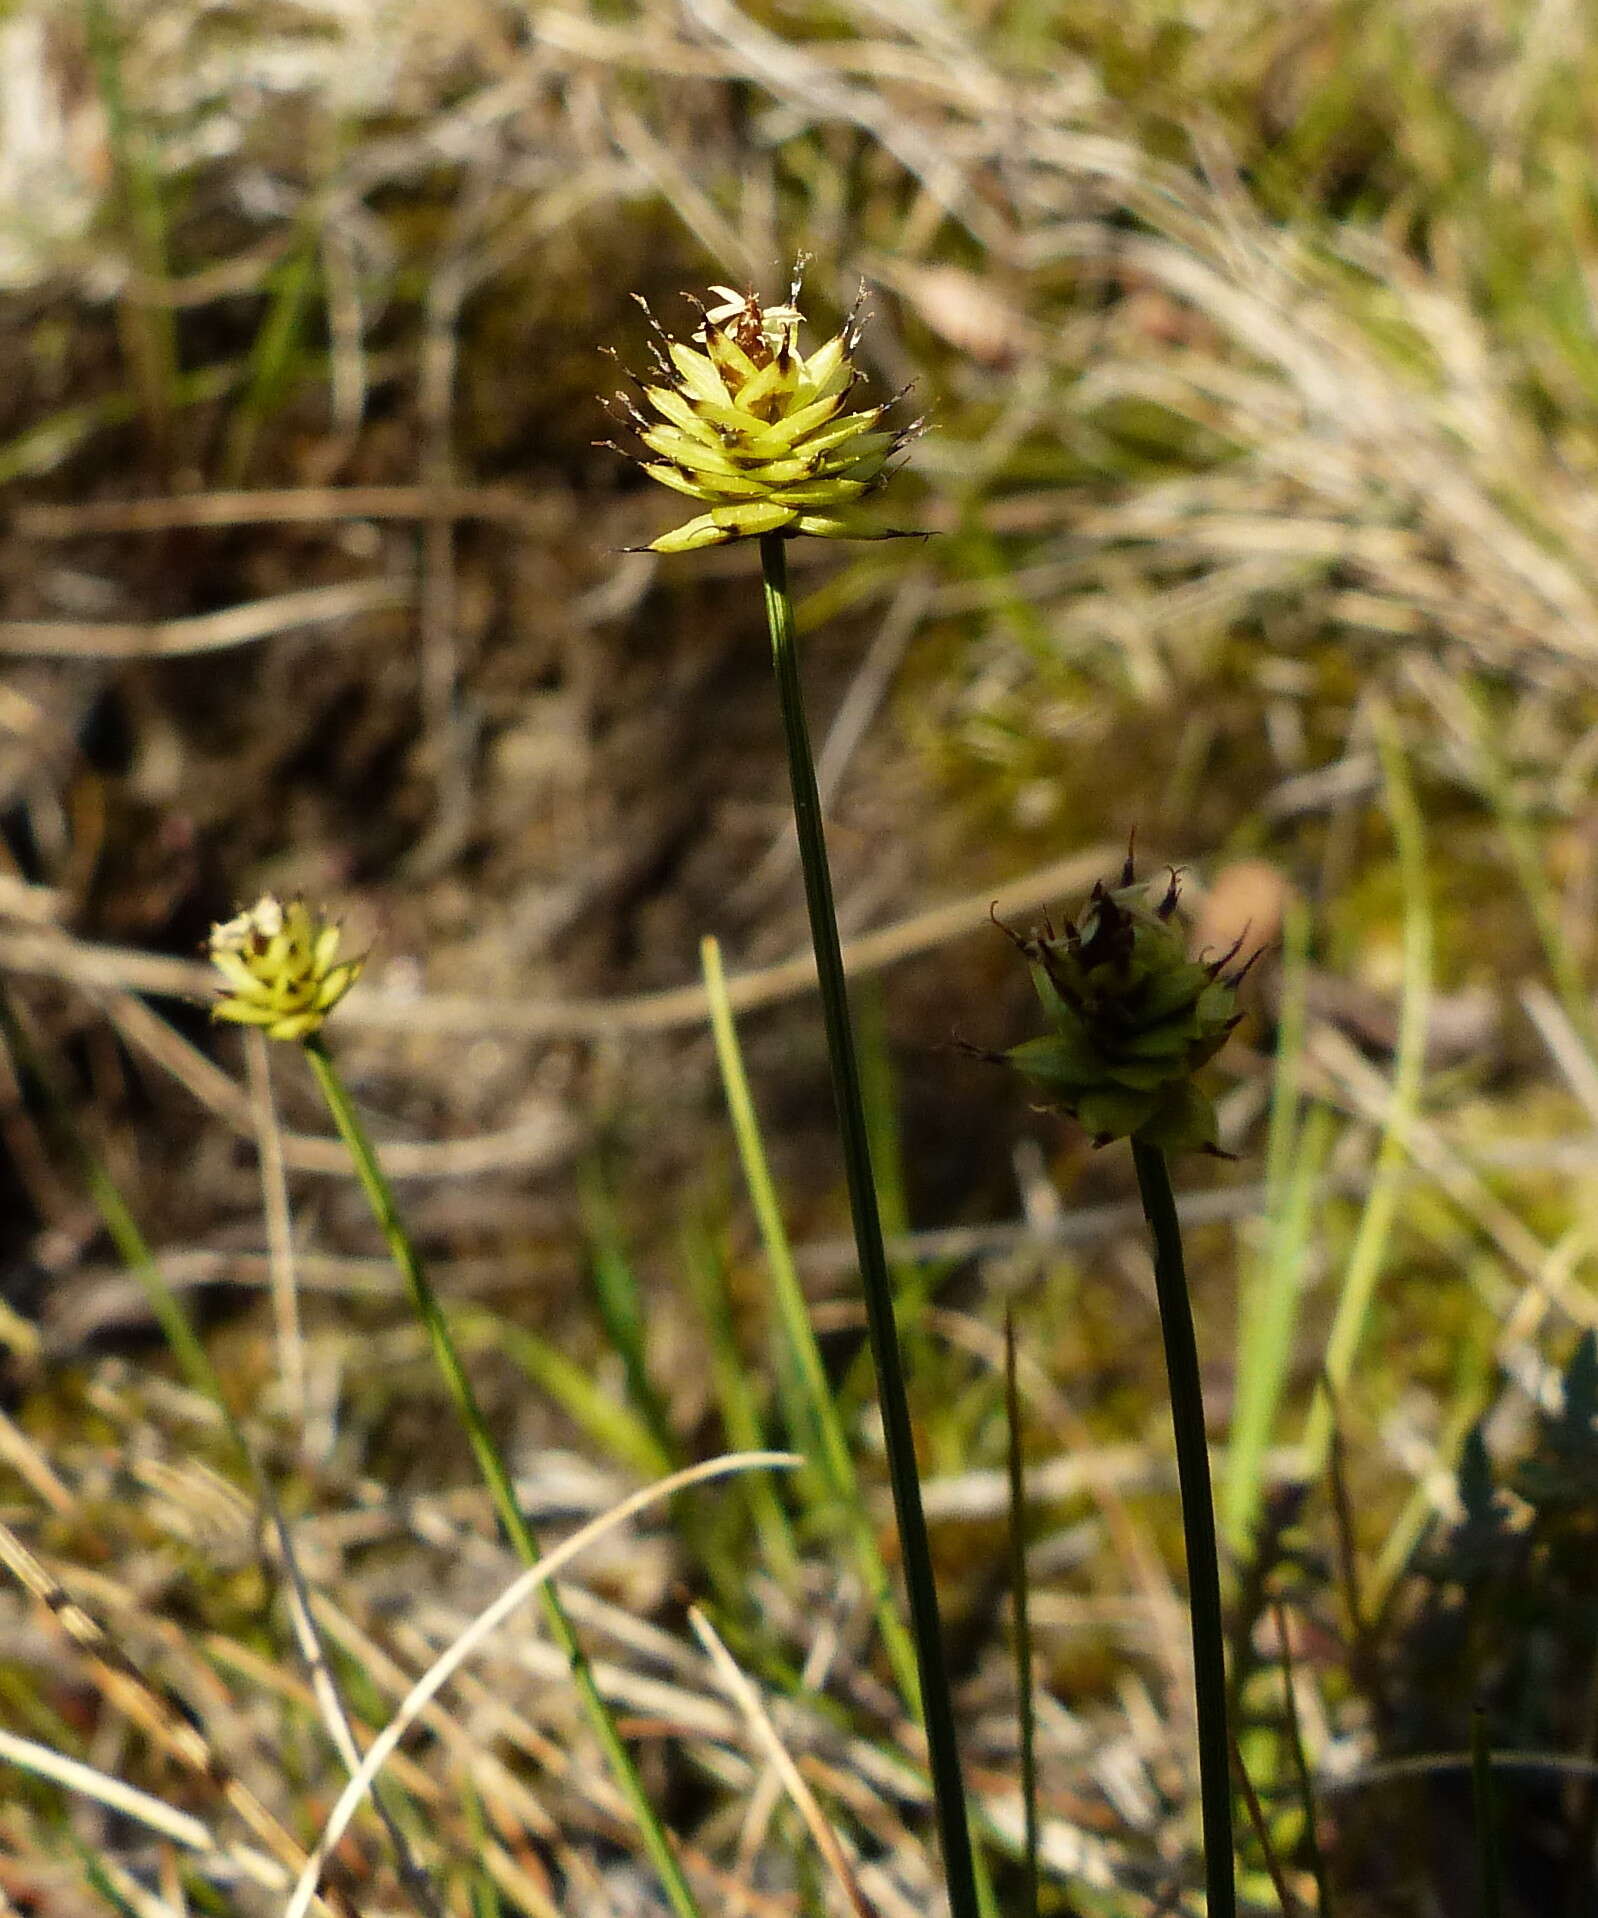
(1019, 1598)
(1198, 1526)
(937, 1703)
(496, 1474)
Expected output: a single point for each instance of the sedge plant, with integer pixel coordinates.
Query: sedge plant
(1132, 1018)
(772, 444)
(284, 976)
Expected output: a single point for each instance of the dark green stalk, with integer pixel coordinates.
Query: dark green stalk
(1198, 1526)
(495, 1472)
(937, 1704)
(1489, 1874)
(1023, 1621)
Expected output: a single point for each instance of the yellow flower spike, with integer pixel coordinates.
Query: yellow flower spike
(282, 967)
(748, 426)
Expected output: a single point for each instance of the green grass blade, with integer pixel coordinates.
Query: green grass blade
(1268, 1302)
(481, 1890)
(1369, 1251)
(616, 1429)
(121, 1228)
(273, 356)
(178, 1330)
(148, 325)
(1301, 1771)
(45, 445)
(799, 1337)
(916, 1282)
(735, 1398)
(880, 1092)
(1526, 857)
(621, 1309)
(96, 1874)
(1472, 1394)
(1259, 1824)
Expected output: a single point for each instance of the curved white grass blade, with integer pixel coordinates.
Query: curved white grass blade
(444, 1668)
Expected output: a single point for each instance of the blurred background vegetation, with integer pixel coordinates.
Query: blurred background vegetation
(1257, 351)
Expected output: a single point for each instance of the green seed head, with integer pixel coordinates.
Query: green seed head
(1132, 1017)
(764, 437)
(282, 968)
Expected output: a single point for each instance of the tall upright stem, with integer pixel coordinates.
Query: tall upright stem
(937, 1704)
(1198, 1527)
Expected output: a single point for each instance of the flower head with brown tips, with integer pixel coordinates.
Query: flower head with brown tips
(1132, 1017)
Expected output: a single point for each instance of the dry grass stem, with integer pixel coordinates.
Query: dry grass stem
(758, 1719)
(279, 1228)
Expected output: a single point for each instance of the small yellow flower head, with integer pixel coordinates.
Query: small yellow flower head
(280, 962)
(760, 434)
(1133, 1019)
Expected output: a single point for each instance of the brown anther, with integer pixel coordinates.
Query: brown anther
(1129, 870)
(748, 330)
